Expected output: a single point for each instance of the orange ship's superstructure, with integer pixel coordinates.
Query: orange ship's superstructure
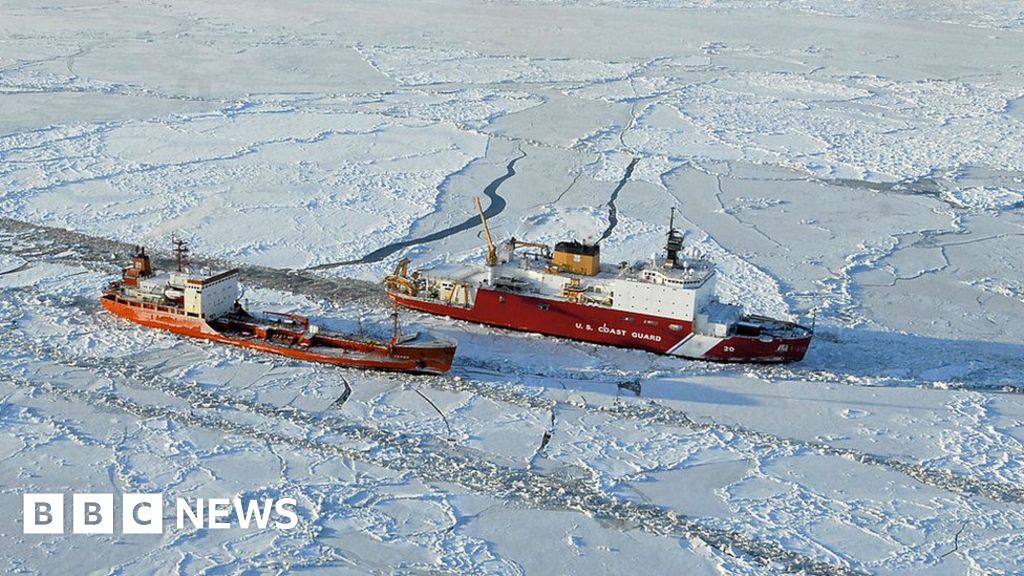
(206, 306)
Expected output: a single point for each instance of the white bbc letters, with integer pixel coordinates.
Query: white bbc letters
(142, 514)
(92, 514)
(43, 513)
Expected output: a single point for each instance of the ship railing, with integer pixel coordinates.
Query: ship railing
(146, 305)
(778, 327)
(288, 318)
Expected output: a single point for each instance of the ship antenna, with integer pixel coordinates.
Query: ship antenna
(675, 240)
(180, 253)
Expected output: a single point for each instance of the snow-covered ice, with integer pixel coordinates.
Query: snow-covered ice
(861, 163)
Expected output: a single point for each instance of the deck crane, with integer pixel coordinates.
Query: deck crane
(492, 252)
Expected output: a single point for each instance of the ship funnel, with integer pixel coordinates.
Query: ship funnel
(577, 257)
(141, 266)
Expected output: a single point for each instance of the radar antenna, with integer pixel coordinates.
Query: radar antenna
(180, 253)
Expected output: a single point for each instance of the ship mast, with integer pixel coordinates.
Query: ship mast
(395, 330)
(492, 252)
(675, 240)
(180, 253)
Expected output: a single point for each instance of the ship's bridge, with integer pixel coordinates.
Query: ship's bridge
(211, 295)
(206, 295)
(688, 273)
(673, 291)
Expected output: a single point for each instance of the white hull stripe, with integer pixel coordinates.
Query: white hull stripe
(673, 349)
(694, 346)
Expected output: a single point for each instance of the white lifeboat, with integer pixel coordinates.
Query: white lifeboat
(174, 294)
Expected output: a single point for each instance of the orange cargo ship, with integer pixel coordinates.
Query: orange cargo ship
(206, 306)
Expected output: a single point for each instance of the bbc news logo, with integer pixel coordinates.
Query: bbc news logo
(144, 513)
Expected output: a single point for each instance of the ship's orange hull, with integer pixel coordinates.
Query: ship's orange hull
(362, 354)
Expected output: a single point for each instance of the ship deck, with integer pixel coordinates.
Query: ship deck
(297, 335)
(690, 273)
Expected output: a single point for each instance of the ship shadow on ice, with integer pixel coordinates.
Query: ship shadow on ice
(868, 357)
(686, 390)
(839, 355)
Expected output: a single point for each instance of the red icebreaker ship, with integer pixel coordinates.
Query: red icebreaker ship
(666, 305)
(206, 306)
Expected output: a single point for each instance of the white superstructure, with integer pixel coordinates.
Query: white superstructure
(207, 296)
(213, 296)
(649, 288)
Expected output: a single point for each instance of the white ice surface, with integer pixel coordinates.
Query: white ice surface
(859, 162)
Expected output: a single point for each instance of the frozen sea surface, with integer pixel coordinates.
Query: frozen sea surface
(859, 162)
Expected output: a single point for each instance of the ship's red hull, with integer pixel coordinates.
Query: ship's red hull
(608, 326)
(402, 358)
